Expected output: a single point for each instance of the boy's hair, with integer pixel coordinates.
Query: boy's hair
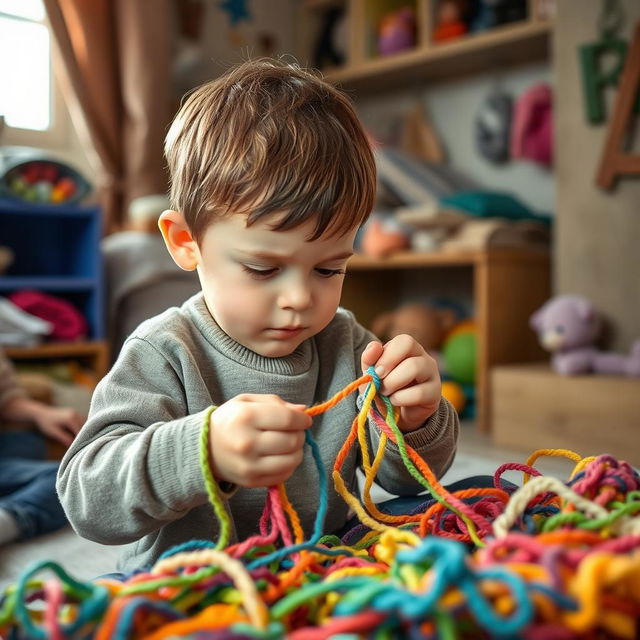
(270, 137)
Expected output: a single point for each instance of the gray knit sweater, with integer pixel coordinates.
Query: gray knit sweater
(133, 475)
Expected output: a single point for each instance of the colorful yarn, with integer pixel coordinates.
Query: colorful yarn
(549, 560)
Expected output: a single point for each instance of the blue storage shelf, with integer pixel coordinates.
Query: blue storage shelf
(47, 283)
(56, 251)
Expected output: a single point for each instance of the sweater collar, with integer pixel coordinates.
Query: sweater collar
(296, 363)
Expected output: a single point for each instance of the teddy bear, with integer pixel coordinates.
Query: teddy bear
(427, 325)
(568, 326)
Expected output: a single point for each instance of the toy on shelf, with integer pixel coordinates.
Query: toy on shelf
(453, 344)
(426, 324)
(489, 14)
(450, 21)
(383, 236)
(568, 326)
(459, 353)
(27, 176)
(397, 31)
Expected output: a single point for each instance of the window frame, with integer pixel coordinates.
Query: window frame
(57, 134)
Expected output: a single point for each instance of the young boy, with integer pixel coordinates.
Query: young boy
(272, 175)
(29, 505)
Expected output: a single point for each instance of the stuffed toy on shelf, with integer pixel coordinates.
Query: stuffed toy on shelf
(427, 325)
(568, 326)
(438, 331)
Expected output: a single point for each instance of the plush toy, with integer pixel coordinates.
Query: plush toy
(568, 326)
(450, 20)
(397, 31)
(382, 237)
(460, 353)
(428, 325)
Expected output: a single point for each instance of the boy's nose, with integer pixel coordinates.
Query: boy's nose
(297, 296)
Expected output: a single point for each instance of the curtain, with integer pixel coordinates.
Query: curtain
(117, 59)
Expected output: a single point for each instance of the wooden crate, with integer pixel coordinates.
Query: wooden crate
(535, 408)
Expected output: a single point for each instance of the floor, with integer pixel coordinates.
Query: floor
(85, 560)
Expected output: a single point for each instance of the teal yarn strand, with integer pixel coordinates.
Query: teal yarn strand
(91, 609)
(319, 521)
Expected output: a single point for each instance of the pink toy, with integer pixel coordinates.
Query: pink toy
(397, 31)
(532, 126)
(568, 327)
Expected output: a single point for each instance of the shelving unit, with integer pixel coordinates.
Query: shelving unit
(507, 285)
(92, 355)
(57, 251)
(365, 71)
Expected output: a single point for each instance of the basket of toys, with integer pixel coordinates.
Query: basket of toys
(28, 175)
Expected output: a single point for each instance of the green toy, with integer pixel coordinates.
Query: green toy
(459, 354)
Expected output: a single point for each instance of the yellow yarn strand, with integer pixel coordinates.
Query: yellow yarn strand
(253, 603)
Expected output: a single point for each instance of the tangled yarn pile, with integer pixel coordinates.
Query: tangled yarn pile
(549, 560)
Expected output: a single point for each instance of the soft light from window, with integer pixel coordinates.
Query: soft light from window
(25, 66)
(29, 9)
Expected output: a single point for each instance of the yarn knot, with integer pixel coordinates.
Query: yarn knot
(376, 378)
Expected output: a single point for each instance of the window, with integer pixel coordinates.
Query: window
(25, 66)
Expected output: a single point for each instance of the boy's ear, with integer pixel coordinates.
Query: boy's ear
(180, 243)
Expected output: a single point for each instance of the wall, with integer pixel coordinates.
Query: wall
(452, 107)
(269, 30)
(597, 249)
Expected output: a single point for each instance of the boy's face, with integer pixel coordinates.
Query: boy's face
(270, 290)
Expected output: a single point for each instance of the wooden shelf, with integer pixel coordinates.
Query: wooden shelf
(413, 259)
(95, 353)
(507, 285)
(503, 46)
(534, 406)
(507, 46)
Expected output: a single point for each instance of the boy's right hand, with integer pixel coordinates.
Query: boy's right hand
(257, 440)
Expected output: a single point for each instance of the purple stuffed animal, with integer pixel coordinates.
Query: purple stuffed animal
(568, 327)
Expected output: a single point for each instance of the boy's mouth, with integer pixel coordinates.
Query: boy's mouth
(286, 331)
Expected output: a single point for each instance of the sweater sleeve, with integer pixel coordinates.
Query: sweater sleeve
(134, 466)
(9, 385)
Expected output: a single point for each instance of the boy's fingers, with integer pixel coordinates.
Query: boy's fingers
(277, 464)
(412, 371)
(282, 418)
(279, 442)
(370, 355)
(395, 351)
(425, 394)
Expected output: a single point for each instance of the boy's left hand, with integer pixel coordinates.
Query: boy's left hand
(409, 376)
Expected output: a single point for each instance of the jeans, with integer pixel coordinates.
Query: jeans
(28, 484)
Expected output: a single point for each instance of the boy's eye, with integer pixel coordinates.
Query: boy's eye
(328, 273)
(259, 273)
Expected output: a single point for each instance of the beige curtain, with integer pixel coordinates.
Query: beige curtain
(117, 57)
